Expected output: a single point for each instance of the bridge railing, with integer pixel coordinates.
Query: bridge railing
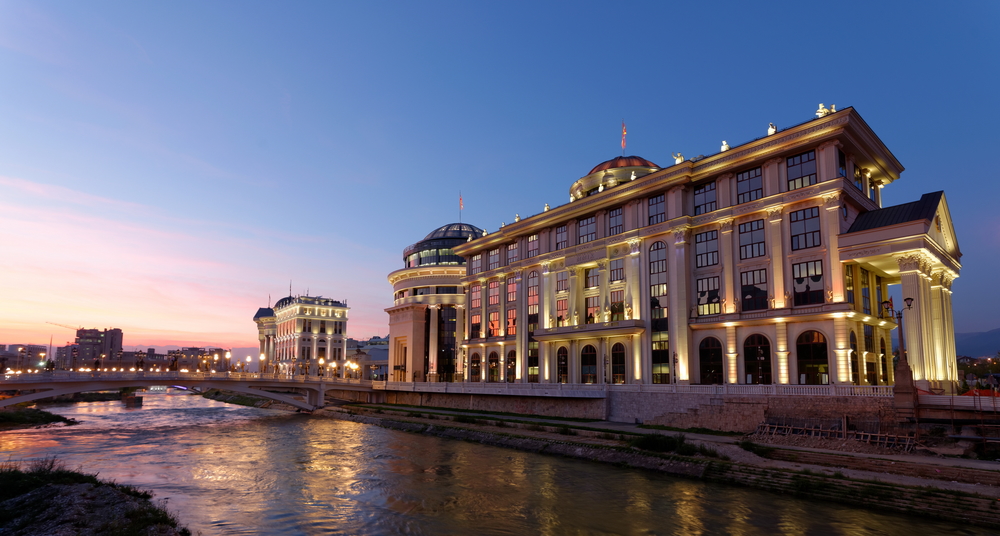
(60, 376)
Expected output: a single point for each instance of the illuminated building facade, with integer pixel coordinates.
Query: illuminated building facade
(301, 334)
(765, 263)
(426, 321)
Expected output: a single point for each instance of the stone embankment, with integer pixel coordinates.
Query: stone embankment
(868, 482)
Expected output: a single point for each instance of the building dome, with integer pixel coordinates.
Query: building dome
(435, 248)
(456, 230)
(622, 162)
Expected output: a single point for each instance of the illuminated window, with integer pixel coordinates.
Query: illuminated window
(532, 245)
(587, 229)
(866, 292)
(657, 213)
(561, 311)
(532, 302)
(593, 304)
(616, 223)
(511, 253)
(849, 283)
(708, 296)
(804, 227)
(560, 237)
(493, 293)
(494, 259)
(593, 277)
(704, 198)
(749, 186)
(475, 296)
(511, 322)
(752, 239)
(475, 325)
(617, 305)
(511, 289)
(706, 249)
(807, 282)
(494, 324)
(802, 170)
(476, 263)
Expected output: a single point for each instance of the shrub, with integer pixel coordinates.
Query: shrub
(657, 442)
(465, 419)
(566, 430)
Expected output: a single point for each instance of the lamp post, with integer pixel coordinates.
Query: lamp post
(20, 356)
(248, 364)
(321, 363)
(887, 305)
(260, 366)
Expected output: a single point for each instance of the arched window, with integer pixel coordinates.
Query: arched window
(812, 360)
(475, 368)
(757, 359)
(494, 367)
(618, 363)
(884, 362)
(710, 356)
(562, 365)
(511, 366)
(855, 366)
(658, 312)
(588, 364)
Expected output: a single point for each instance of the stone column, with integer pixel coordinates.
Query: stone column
(605, 314)
(432, 357)
(912, 281)
(941, 371)
(573, 363)
(546, 293)
(840, 368)
(732, 356)
(949, 326)
(574, 297)
(633, 270)
(521, 340)
(779, 298)
(729, 293)
(679, 278)
(771, 177)
(830, 225)
(545, 375)
(826, 161)
(459, 337)
(781, 351)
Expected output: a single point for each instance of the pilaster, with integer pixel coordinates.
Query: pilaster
(679, 276)
(729, 294)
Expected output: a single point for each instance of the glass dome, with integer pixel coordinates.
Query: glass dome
(435, 248)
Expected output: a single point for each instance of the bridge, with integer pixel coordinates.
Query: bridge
(284, 388)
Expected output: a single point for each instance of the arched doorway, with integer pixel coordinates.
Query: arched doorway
(562, 365)
(475, 368)
(757, 359)
(618, 363)
(855, 366)
(493, 362)
(588, 364)
(811, 358)
(710, 358)
(511, 366)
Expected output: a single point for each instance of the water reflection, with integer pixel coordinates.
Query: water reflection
(233, 470)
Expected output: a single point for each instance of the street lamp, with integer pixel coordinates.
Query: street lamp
(321, 363)
(261, 365)
(887, 305)
(248, 363)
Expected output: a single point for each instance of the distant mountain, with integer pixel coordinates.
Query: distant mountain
(986, 343)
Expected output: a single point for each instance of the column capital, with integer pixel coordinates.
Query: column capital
(682, 234)
(727, 225)
(831, 143)
(832, 200)
(774, 214)
(634, 245)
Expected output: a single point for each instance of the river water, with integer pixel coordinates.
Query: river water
(225, 469)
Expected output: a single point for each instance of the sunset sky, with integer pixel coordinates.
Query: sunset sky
(166, 167)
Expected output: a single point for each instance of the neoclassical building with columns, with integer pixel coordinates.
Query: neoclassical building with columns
(301, 334)
(763, 264)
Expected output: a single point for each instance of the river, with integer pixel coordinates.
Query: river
(225, 469)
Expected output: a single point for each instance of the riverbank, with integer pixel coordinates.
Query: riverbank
(885, 483)
(13, 418)
(46, 498)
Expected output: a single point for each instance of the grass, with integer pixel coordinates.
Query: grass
(760, 450)
(696, 430)
(675, 443)
(31, 416)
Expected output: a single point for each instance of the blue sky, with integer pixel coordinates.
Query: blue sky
(165, 167)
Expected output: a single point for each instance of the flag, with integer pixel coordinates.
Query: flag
(623, 134)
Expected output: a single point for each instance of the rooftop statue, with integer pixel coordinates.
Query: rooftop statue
(678, 157)
(771, 129)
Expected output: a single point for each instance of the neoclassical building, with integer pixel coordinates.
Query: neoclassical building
(426, 320)
(765, 263)
(303, 333)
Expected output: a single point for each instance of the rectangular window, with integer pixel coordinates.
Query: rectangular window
(617, 305)
(849, 283)
(560, 237)
(706, 249)
(704, 198)
(494, 259)
(866, 292)
(805, 228)
(532, 302)
(617, 270)
(511, 322)
(421, 291)
(593, 304)
(561, 312)
(511, 289)
(475, 326)
(475, 296)
(616, 223)
(859, 178)
(878, 295)
(802, 170)
(532, 245)
(807, 282)
(511, 253)
(841, 164)
(476, 264)
(869, 338)
(657, 214)
(749, 186)
(562, 282)
(533, 362)
(593, 276)
(494, 324)
(493, 293)
(752, 239)
(708, 296)
(447, 290)
(753, 290)
(587, 229)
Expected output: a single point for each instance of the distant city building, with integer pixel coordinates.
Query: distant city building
(428, 313)
(200, 359)
(94, 345)
(22, 356)
(300, 331)
(764, 263)
(372, 357)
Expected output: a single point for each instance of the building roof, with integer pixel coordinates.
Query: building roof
(263, 312)
(623, 161)
(924, 209)
(456, 230)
